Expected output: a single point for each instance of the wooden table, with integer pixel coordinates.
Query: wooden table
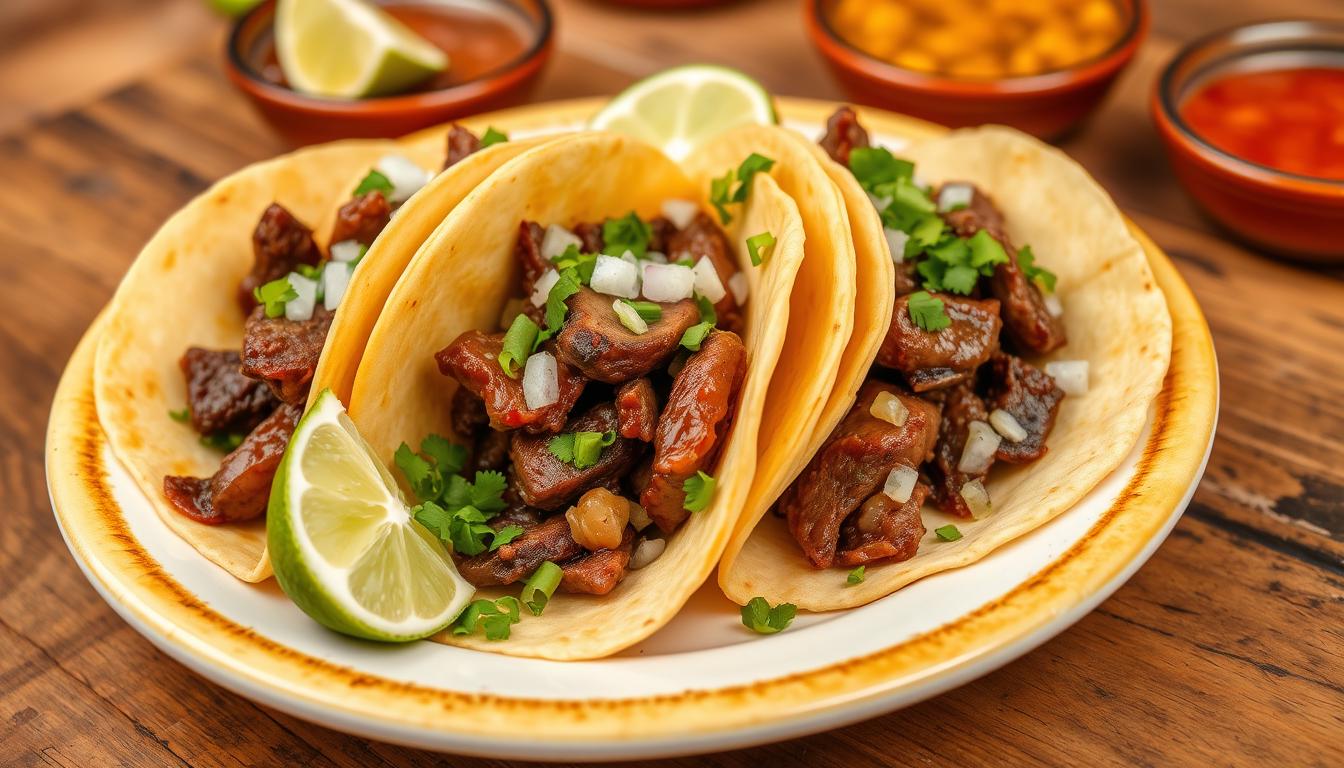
(1227, 648)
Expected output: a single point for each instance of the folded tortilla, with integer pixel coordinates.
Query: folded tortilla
(462, 278)
(1117, 320)
(180, 293)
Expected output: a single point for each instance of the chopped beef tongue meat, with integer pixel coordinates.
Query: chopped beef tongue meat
(361, 219)
(489, 449)
(702, 238)
(590, 233)
(597, 573)
(528, 253)
(660, 235)
(284, 353)
(936, 359)
(594, 341)
(1033, 399)
(219, 397)
(241, 487)
(1026, 320)
(851, 466)
(882, 529)
(961, 406)
(546, 482)
(280, 243)
(473, 359)
(637, 410)
(461, 143)
(694, 424)
(843, 133)
(907, 278)
(548, 540)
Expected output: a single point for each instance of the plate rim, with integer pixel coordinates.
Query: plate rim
(148, 598)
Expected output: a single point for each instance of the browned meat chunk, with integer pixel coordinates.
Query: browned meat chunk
(1027, 322)
(461, 143)
(637, 410)
(851, 466)
(361, 219)
(594, 341)
(219, 397)
(241, 487)
(528, 253)
(518, 514)
(280, 243)
(284, 353)
(660, 232)
(491, 452)
(1033, 399)
(515, 561)
(702, 238)
(591, 235)
(466, 412)
(843, 133)
(960, 408)
(489, 449)
(695, 423)
(882, 529)
(597, 573)
(907, 279)
(473, 359)
(546, 482)
(935, 359)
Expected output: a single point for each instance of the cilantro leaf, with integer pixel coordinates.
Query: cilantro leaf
(425, 480)
(699, 490)
(449, 457)
(518, 343)
(222, 441)
(435, 518)
(487, 493)
(986, 252)
(960, 279)
(628, 233)
(927, 311)
(493, 618)
(562, 447)
(695, 335)
(374, 182)
(566, 286)
(492, 137)
(274, 295)
(504, 536)
(948, 533)
(874, 166)
(580, 264)
(1042, 276)
(759, 616)
(467, 531)
(580, 449)
(183, 415)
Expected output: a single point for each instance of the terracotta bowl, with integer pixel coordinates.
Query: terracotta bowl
(1297, 216)
(307, 119)
(1046, 105)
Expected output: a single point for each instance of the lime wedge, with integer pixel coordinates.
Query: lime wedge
(679, 108)
(344, 545)
(350, 49)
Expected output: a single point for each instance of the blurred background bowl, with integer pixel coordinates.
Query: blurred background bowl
(1047, 104)
(1290, 214)
(303, 119)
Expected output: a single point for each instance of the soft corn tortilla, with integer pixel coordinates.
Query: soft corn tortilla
(1116, 318)
(180, 293)
(462, 279)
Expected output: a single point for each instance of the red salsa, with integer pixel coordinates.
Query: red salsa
(1289, 119)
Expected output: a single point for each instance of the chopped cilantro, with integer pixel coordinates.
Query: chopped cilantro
(566, 286)
(424, 478)
(721, 191)
(374, 182)
(699, 489)
(539, 587)
(518, 342)
(222, 441)
(464, 527)
(505, 535)
(183, 415)
(986, 251)
(648, 311)
(274, 295)
(309, 271)
(720, 195)
(948, 533)
(492, 137)
(707, 312)
(875, 166)
(695, 335)
(758, 616)
(759, 247)
(628, 233)
(494, 618)
(1042, 276)
(927, 311)
(581, 264)
(753, 165)
(856, 576)
(449, 457)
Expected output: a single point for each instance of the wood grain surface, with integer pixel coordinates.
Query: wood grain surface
(1226, 649)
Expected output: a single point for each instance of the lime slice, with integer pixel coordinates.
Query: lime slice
(350, 48)
(679, 108)
(344, 545)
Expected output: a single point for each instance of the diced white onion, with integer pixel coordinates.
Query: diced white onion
(740, 286)
(707, 282)
(680, 212)
(954, 196)
(880, 203)
(977, 498)
(541, 381)
(615, 277)
(668, 282)
(981, 443)
(301, 307)
(639, 518)
(896, 240)
(657, 256)
(542, 288)
(556, 240)
(335, 279)
(1070, 375)
(405, 175)
(900, 483)
(1007, 425)
(646, 552)
(629, 317)
(346, 250)
(889, 408)
(1053, 305)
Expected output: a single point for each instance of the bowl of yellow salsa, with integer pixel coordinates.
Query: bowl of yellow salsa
(1038, 65)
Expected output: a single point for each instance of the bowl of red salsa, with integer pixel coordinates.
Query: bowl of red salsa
(1253, 120)
(498, 48)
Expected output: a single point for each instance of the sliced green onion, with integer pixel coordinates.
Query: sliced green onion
(518, 343)
(759, 247)
(948, 533)
(540, 586)
(856, 576)
(492, 137)
(648, 311)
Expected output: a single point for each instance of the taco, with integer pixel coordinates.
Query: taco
(1020, 353)
(217, 333)
(570, 375)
